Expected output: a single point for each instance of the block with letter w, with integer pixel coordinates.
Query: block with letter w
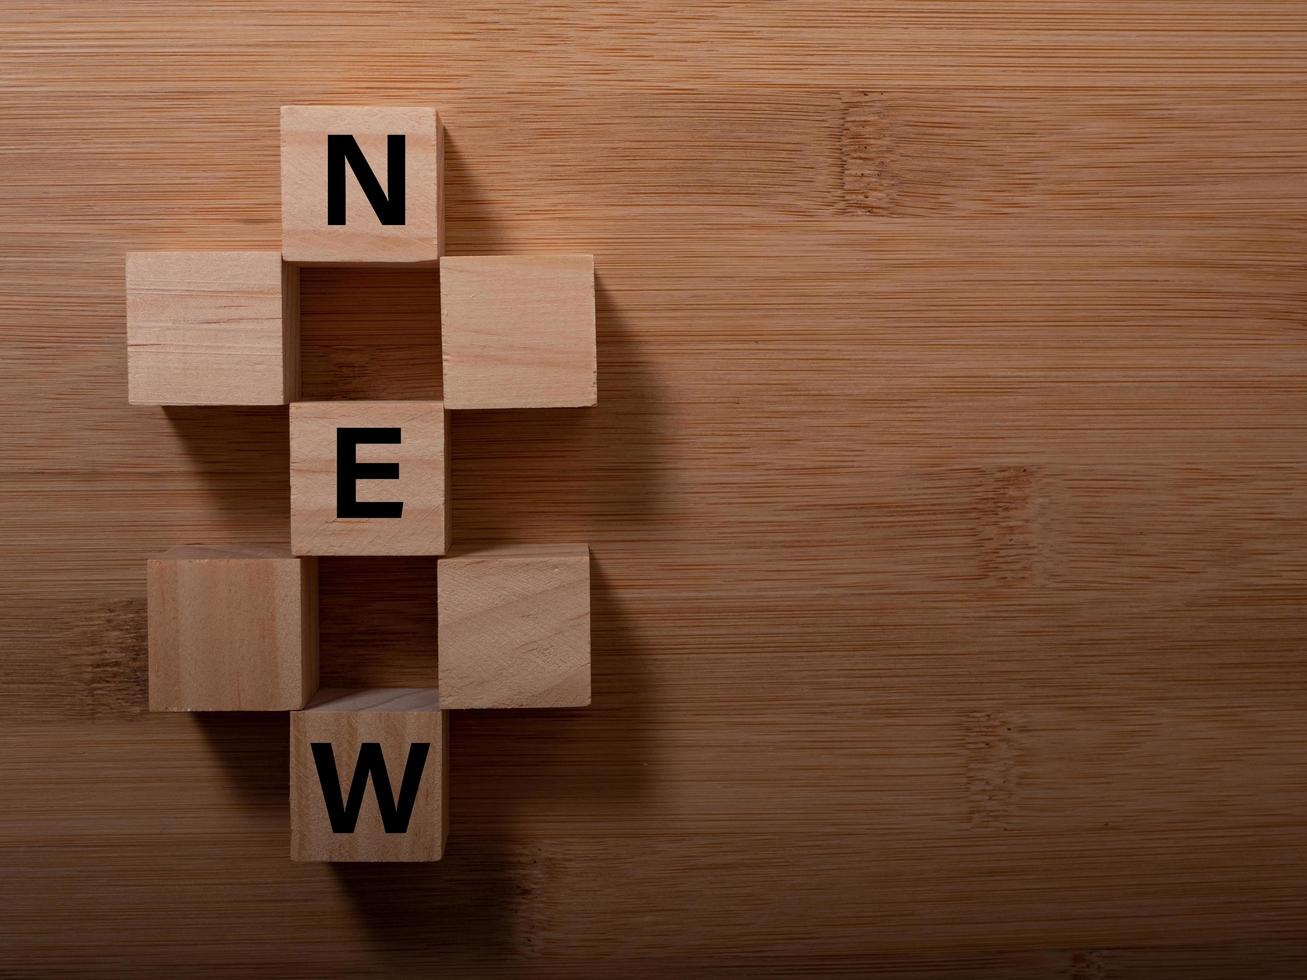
(392, 738)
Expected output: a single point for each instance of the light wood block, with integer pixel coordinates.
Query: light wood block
(212, 328)
(514, 627)
(232, 629)
(339, 507)
(404, 225)
(340, 744)
(518, 331)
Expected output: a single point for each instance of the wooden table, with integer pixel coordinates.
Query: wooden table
(946, 491)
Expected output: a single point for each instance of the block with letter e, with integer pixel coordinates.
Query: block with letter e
(368, 478)
(361, 185)
(368, 776)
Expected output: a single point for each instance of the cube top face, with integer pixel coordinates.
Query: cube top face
(361, 185)
(340, 744)
(368, 478)
(231, 630)
(514, 627)
(375, 699)
(211, 328)
(518, 331)
(518, 552)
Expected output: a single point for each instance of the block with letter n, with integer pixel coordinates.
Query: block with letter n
(361, 185)
(368, 776)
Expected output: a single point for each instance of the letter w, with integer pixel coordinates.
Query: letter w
(344, 814)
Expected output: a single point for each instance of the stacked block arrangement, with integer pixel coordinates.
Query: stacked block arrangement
(235, 628)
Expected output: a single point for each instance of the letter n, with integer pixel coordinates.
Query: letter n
(343, 149)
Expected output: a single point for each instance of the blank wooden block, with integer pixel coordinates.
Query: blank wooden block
(232, 629)
(323, 518)
(212, 328)
(369, 776)
(518, 331)
(404, 224)
(514, 627)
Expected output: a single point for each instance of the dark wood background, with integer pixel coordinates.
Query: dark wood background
(946, 491)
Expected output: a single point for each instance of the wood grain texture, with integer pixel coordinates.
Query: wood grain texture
(947, 517)
(399, 721)
(514, 627)
(232, 629)
(410, 475)
(518, 331)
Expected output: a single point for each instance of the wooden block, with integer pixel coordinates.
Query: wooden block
(518, 331)
(369, 776)
(232, 629)
(361, 185)
(212, 328)
(514, 627)
(368, 478)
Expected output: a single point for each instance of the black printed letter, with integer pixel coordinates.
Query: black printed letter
(349, 470)
(344, 814)
(388, 204)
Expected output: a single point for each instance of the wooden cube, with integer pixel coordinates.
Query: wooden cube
(518, 331)
(369, 776)
(232, 629)
(514, 627)
(212, 328)
(368, 478)
(361, 185)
